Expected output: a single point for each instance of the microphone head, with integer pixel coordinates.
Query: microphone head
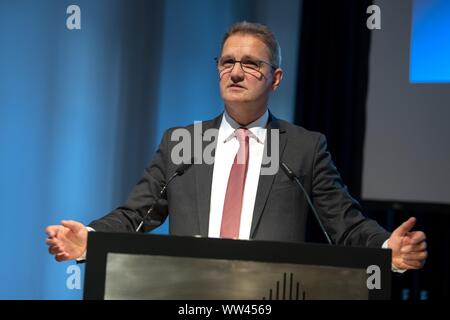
(288, 171)
(184, 167)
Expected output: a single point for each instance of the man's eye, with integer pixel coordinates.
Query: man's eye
(228, 63)
(250, 63)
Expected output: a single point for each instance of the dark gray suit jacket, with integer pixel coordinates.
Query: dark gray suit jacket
(280, 211)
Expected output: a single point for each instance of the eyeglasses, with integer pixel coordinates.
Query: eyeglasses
(248, 65)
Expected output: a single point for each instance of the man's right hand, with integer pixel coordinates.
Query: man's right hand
(67, 241)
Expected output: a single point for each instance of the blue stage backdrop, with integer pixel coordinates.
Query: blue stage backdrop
(82, 111)
(430, 41)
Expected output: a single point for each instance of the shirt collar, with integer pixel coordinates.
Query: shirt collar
(257, 128)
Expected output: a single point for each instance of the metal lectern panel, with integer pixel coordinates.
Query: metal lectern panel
(133, 276)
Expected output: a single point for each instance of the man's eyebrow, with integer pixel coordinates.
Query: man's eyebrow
(227, 56)
(248, 56)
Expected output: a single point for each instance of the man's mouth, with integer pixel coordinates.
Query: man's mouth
(236, 86)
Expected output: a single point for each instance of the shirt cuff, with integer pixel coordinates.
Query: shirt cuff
(82, 258)
(393, 268)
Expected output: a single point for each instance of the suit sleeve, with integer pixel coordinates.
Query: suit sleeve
(126, 218)
(340, 213)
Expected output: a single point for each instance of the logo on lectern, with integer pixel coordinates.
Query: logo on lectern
(288, 291)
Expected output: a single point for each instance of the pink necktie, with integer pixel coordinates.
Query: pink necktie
(231, 216)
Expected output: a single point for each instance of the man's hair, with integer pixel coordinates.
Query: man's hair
(260, 31)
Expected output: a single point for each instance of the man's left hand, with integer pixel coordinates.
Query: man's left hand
(409, 248)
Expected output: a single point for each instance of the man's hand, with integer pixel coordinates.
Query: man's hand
(409, 248)
(67, 241)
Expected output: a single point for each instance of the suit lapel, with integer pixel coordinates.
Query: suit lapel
(203, 176)
(266, 181)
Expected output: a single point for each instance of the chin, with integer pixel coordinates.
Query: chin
(236, 101)
(230, 97)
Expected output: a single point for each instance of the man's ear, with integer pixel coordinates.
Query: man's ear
(276, 78)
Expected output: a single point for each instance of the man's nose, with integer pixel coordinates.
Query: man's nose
(237, 74)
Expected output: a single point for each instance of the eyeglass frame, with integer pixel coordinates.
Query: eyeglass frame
(273, 67)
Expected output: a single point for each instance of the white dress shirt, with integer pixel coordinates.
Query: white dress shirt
(226, 150)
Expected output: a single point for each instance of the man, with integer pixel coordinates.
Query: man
(232, 198)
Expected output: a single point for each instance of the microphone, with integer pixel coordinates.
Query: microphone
(291, 175)
(179, 172)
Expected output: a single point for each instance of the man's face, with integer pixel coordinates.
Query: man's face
(239, 86)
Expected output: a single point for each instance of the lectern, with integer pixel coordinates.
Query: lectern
(145, 266)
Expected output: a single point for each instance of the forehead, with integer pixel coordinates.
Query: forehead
(239, 45)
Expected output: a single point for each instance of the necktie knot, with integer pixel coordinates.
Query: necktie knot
(241, 135)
